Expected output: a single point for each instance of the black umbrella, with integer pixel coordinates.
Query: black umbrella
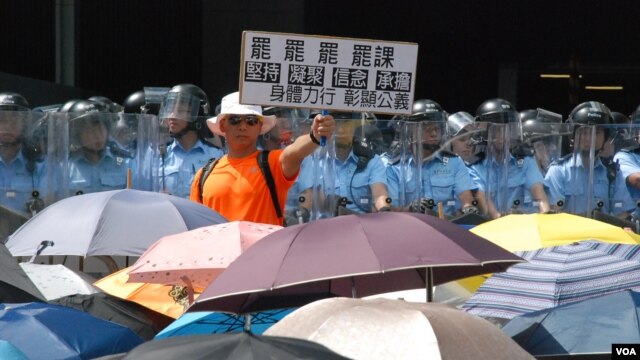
(144, 322)
(15, 285)
(231, 346)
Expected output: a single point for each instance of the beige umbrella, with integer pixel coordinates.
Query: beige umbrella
(395, 329)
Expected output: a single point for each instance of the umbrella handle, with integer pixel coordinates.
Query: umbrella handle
(43, 245)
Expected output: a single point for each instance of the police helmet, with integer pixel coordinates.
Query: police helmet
(427, 110)
(539, 122)
(619, 118)
(107, 103)
(591, 113)
(498, 111)
(136, 103)
(11, 101)
(87, 111)
(186, 102)
(67, 105)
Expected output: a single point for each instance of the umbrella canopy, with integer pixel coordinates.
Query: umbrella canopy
(118, 222)
(164, 299)
(141, 320)
(9, 352)
(211, 322)
(56, 281)
(231, 346)
(47, 331)
(351, 255)
(557, 275)
(580, 328)
(15, 285)
(520, 232)
(194, 258)
(395, 329)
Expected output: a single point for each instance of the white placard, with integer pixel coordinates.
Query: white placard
(329, 73)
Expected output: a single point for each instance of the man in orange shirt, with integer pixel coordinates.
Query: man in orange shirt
(236, 187)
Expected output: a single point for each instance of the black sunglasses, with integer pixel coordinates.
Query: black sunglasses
(250, 120)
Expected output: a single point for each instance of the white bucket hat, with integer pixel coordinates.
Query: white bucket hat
(231, 105)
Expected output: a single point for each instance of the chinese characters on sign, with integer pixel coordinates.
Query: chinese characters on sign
(291, 70)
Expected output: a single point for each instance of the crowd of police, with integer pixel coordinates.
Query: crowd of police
(492, 163)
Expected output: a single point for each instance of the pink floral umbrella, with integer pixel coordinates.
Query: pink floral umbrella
(195, 258)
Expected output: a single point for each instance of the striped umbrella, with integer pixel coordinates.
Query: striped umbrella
(557, 275)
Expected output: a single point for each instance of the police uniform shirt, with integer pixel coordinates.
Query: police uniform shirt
(303, 182)
(444, 178)
(568, 180)
(356, 186)
(522, 174)
(179, 166)
(110, 173)
(629, 162)
(17, 183)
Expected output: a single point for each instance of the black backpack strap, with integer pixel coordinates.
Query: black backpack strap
(206, 170)
(263, 161)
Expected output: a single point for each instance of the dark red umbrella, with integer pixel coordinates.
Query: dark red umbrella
(352, 256)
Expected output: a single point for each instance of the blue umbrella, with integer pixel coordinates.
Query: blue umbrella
(9, 352)
(212, 322)
(585, 327)
(46, 331)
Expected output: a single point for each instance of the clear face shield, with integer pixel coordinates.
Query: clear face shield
(588, 187)
(179, 106)
(544, 136)
(12, 126)
(290, 124)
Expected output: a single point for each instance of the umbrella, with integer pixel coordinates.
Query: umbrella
(582, 328)
(56, 281)
(144, 322)
(196, 257)
(10, 352)
(231, 346)
(212, 322)
(557, 275)
(519, 232)
(396, 329)
(118, 222)
(164, 299)
(47, 331)
(15, 285)
(352, 255)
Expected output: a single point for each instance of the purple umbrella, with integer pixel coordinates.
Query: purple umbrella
(352, 256)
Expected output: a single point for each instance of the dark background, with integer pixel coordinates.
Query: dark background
(470, 51)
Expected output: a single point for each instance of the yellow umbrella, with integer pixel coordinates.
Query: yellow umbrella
(521, 232)
(165, 299)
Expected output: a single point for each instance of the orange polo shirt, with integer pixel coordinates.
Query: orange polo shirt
(237, 190)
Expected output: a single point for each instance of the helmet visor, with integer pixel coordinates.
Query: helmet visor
(179, 106)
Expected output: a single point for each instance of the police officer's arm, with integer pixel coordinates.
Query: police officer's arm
(538, 194)
(292, 156)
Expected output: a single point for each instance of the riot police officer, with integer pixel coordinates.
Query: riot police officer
(429, 175)
(95, 165)
(579, 182)
(183, 114)
(507, 182)
(21, 167)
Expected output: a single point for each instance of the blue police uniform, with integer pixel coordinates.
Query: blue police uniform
(444, 178)
(110, 173)
(356, 185)
(179, 166)
(303, 182)
(567, 180)
(629, 162)
(522, 174)
(17, 183)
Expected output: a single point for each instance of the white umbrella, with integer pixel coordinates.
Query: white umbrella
(396, 329)
(56, 281)
(119, 222)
